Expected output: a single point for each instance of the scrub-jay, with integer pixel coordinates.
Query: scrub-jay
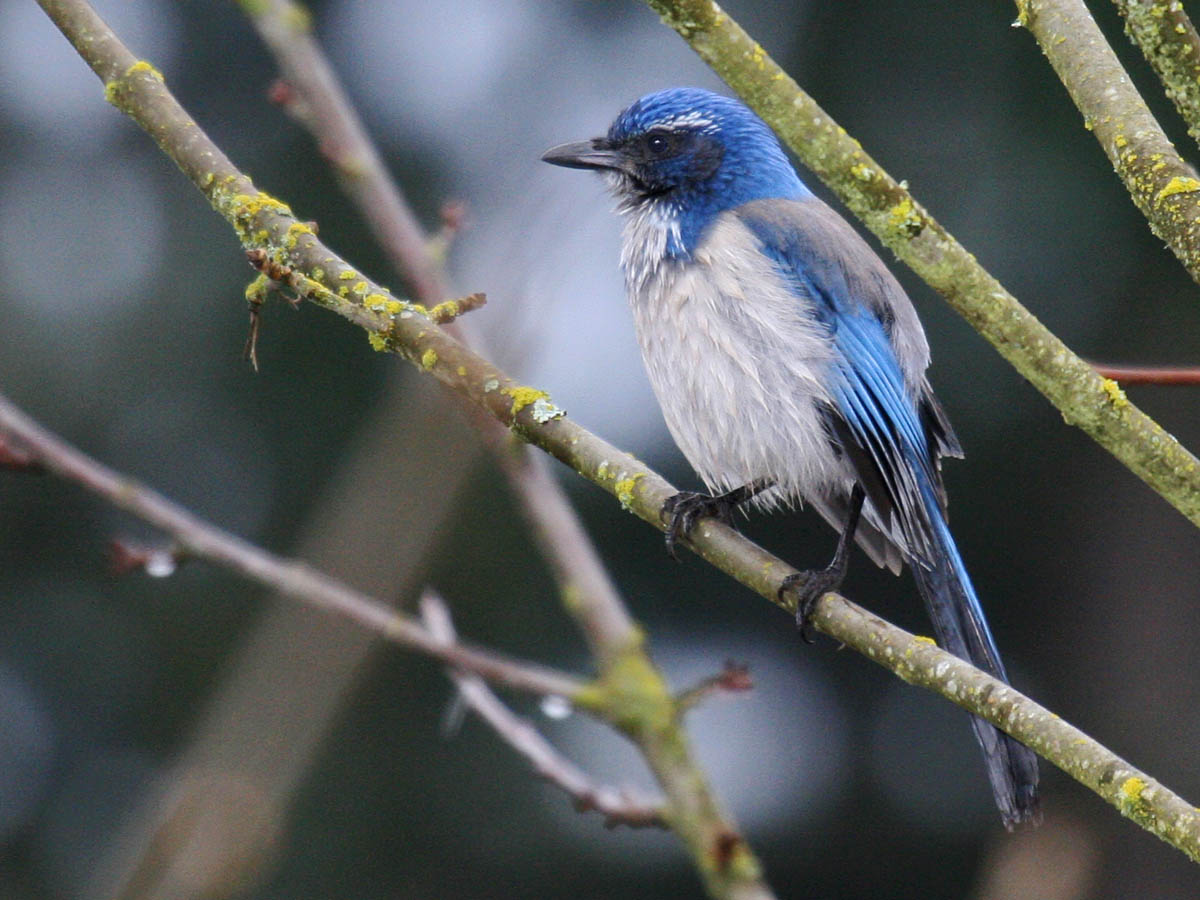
(789, 364)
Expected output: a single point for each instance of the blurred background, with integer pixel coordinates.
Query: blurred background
(192, 737)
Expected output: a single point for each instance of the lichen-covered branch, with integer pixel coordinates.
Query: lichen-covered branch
(919, 661)
(1169, 41)
(630, 693)
(1162, 185)
(628, 696)
(1093, 403)
(285, 28)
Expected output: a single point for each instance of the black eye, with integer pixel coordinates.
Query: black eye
(658, 144)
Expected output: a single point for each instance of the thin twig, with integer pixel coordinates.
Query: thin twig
(1084, 398)
(1150, 374)
(618, 807)
(197, 538)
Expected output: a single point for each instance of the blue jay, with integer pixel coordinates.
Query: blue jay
(789, 364)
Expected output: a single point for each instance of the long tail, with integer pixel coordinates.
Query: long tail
(961, 629)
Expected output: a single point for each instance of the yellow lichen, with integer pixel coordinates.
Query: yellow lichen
(360, 288)
(256, 290)
(904, 216)
(624, 490)
(1116, 396)
(293, 234)
(523, 396)
(143, 67)
(462, 371)
(378, 340)
(1131, 788)
(348, 275)
(429, 359)
(862, 172)
(382, 303)
(1178, 185)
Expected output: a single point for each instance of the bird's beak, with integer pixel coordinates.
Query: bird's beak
(593, 154)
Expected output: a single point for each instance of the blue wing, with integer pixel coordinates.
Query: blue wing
(893, 432)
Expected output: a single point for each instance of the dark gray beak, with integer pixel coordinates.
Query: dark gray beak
(591, 154)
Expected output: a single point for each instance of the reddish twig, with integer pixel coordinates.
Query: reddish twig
(1149, 374)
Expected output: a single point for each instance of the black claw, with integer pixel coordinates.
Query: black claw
(683, 510)
(809, 587)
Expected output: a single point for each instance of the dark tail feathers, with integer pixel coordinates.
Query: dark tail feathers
(961, 629)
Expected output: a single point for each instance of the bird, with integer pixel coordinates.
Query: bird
(790, 366)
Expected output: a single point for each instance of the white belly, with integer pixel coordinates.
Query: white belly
(737, 364)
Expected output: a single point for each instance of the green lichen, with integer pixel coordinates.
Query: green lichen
(256, 290)
(631, 693)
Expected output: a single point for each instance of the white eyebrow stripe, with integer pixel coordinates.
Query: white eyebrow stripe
(692, 118)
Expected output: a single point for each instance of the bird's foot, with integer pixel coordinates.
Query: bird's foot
(686, 508)
(807, 588)
(682, 511)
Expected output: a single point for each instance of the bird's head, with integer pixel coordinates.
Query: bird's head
(690, 154)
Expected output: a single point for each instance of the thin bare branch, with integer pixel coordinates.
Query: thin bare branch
(197, 538)
(618, 807)
(1150, 374)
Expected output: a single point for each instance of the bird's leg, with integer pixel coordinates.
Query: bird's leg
(687, 507)
(811, 585)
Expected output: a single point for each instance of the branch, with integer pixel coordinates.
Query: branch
(630, 687)
(919, 661)
(1150, 374)
(1087, 400)
(721, 855)
(618, 695)
(1169, 41)
(328, 114)
(617, 807)
(1162, 185)
(196, 538)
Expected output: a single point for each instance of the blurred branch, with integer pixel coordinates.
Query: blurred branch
(1086, 399)
(629, 692)
(1150, 374)
(617, 807)
(1169, 41)
(720, 854)
(623, 695)
(196, 538)
(329, 115)
(285, 28)
(1162, 185)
